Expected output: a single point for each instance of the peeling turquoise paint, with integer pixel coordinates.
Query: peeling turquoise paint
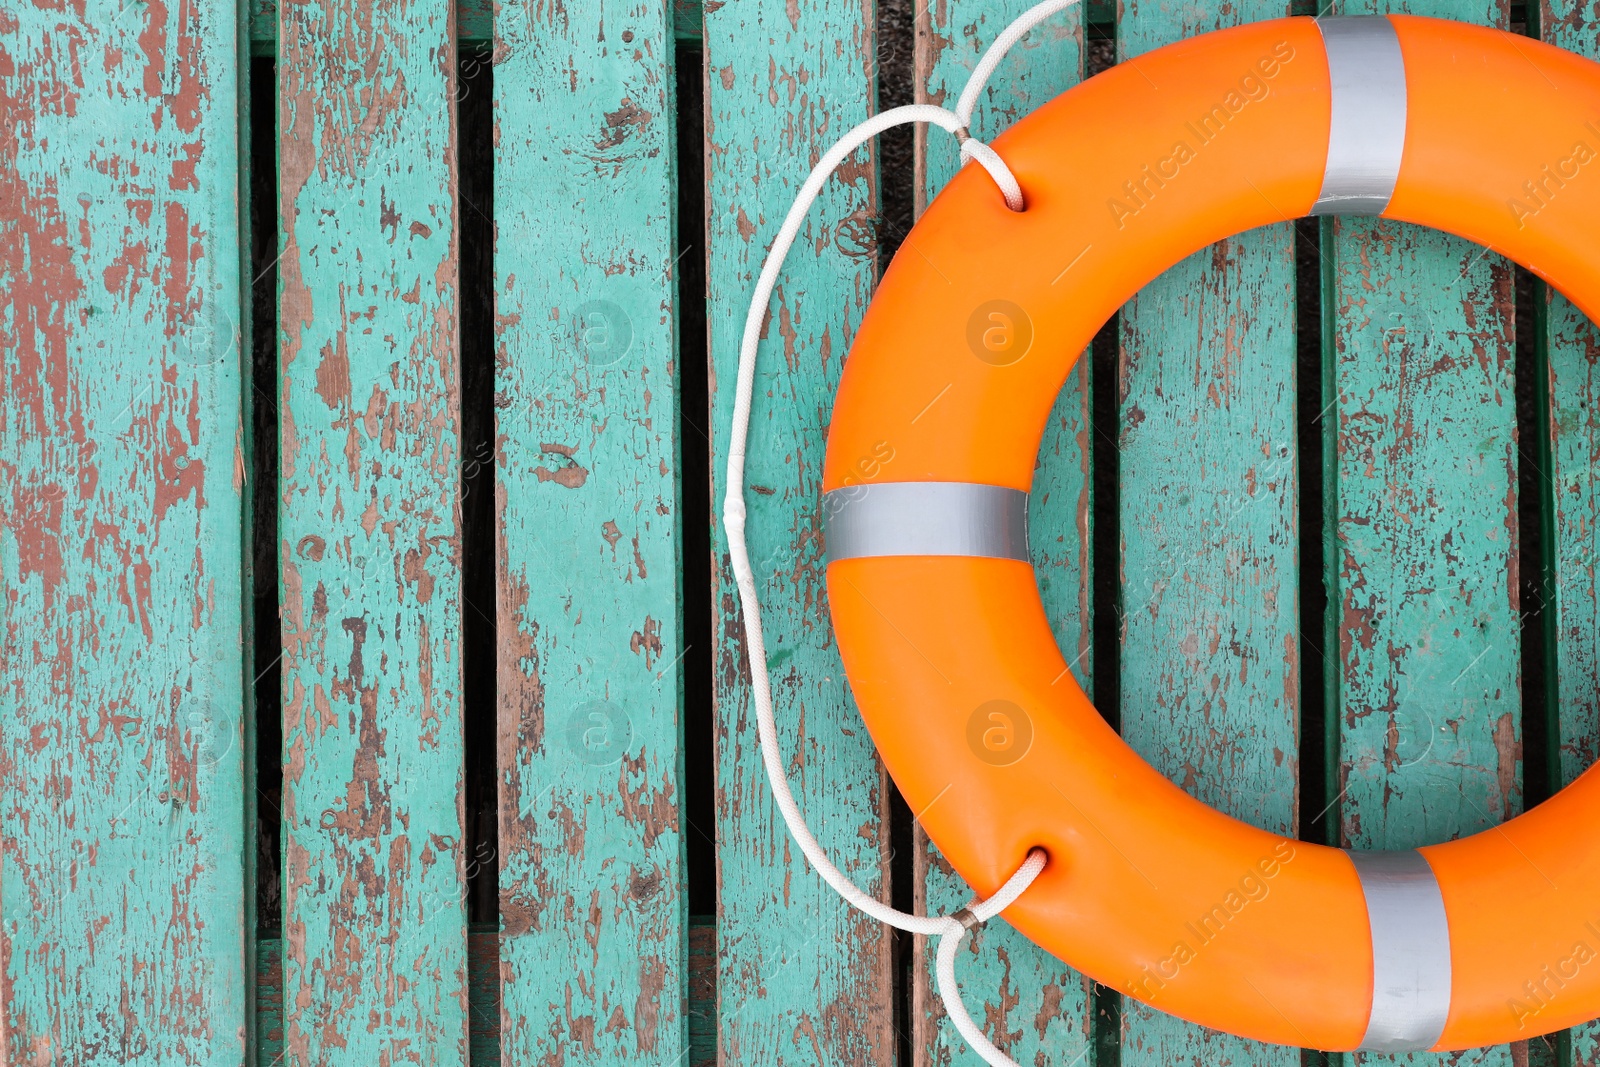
(592, 901)
(801, 975)
(122, 830)
(375, 937)
(1425, 648)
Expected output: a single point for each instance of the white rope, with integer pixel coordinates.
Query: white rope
(950, 928)
(945, 967)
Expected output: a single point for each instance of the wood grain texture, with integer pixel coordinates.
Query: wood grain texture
(803, 977)
(483, 998)
(122, 831)
(374, 963)
(1426, 653)
(592, 901)
(1572, 351)
(1209, 485)
(1031, 1004)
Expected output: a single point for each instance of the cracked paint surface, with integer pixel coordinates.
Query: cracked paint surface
(374, 955)
(802, 977)
(594, 919)
(1426, 571)
(122, 870)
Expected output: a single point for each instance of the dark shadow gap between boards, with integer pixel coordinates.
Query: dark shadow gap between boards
(1105, 550)
(695, 519)
(479, 621)
(265, 983)
(695, 503)
(1535, 508)
(1313, 415)
(266, 650)
(475, 212)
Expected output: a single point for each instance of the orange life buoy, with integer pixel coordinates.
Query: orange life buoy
(1480, 133)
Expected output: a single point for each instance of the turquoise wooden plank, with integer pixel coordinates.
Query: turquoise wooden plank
(1425, 651)
(374, 963)
(592, 904)
(122, 827)
(1572, 351)
(1209, 487)
(1573, 348)
(803, 977)
(1029, 1002)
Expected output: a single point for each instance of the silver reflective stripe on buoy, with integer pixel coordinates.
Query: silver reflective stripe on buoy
(926, 519)
(1367, 134)
(1410, 951)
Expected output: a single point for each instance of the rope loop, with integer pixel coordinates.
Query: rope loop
(987, 158)
(950, 929)
(958, 923)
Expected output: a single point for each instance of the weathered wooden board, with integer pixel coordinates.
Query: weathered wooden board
(374, 963)
(1422, 583)
(1572, 355)
(803, 978)
(1573, 352)
(122, 832)
(592, 903)
(1029, 1003)
(1210, 687)
(1426, 643)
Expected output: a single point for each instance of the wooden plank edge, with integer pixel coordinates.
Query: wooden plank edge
(244, 338)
